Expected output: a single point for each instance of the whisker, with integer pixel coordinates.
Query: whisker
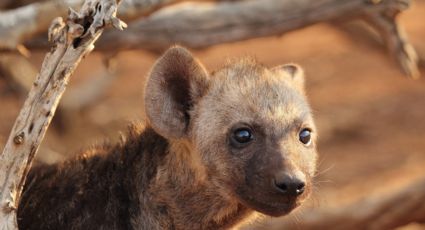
(321, 161)
(323, 171)
(315, 202)
(315, 198)
(296, 220)
(320, 182)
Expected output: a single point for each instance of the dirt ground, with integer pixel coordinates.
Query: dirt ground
(371, 119)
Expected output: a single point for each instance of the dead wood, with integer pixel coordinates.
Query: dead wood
(72, 41)
(200, 25)
(10, 4)
(395, 38)
(20, 24)
(392, 38)
(135, 6)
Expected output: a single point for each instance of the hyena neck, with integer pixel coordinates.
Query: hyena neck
(188, 197)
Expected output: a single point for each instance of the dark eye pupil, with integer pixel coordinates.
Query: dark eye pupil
(305, 136)
(243, 135)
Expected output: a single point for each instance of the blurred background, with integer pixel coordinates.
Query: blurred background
(370, 115)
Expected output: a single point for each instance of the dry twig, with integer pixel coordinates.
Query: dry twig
(72, 41)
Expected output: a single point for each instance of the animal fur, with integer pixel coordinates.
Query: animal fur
(180, 170)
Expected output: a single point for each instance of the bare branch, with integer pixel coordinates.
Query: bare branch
(25, 22)
(393, 35)
(71, 43)
(389, 35)
(199, 25)
(132, 9)
(10, 4)
(22, 23)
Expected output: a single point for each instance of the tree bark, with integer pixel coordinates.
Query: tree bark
(72, 41)
(20, 24)
(10, 4)
(200, 25)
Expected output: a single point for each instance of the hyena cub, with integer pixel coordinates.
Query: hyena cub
(216, 149)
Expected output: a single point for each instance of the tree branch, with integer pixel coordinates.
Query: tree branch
(394, 37)
(10, 4)
(71, 43)
(20, 24)
(199, 25)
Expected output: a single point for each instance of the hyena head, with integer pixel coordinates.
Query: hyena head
(250, 126)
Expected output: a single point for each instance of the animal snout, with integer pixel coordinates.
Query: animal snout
(292, 184)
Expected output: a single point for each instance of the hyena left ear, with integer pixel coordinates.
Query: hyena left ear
(175, 84)
(294, 73)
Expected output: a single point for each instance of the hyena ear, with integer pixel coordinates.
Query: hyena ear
(294, 73)
(175, 84)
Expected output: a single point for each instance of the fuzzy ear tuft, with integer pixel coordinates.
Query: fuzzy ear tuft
(175, 84)
(294, 73)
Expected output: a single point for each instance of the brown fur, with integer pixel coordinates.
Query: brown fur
(181, 171)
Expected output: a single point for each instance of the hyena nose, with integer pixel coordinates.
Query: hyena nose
(289, 184)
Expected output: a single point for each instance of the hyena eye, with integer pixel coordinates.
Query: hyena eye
(305, 136)
(242, 136)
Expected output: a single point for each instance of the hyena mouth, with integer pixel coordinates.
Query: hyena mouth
(277, 208)
(272, 205)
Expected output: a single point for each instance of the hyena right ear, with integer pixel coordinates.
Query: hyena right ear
(175, 84)
(294, 73)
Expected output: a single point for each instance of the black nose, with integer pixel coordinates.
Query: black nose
(289, 184)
